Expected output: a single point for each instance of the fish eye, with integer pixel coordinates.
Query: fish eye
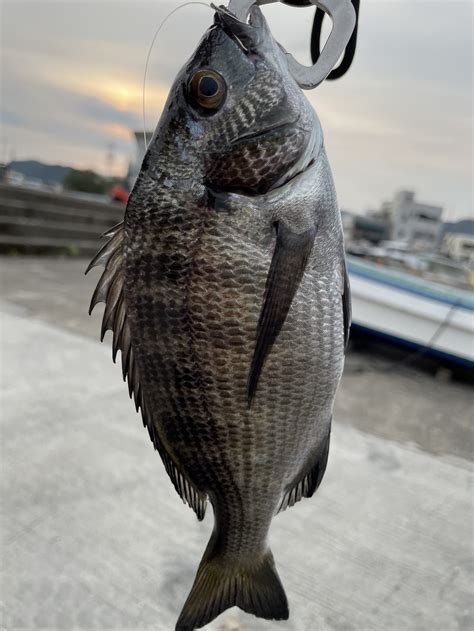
(207, 90)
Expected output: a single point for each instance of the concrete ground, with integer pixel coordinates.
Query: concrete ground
(95, 537)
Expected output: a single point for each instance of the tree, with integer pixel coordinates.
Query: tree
(85, 181)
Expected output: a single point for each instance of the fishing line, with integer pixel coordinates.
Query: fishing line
(163, 22)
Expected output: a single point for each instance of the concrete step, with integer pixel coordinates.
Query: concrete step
(102, 218)
(32, 226)
(45, 222)
(68, 199)
(47, 245)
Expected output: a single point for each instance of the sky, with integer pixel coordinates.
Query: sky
(402, 118)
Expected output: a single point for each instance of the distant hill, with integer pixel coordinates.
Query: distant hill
(48, 173)
(464, 226)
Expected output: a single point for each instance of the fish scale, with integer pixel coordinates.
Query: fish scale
(203, 286)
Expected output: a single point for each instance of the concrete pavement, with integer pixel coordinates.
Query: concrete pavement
(377, 395)
(95, 537)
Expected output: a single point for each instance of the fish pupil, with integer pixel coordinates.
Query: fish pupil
(208, 86)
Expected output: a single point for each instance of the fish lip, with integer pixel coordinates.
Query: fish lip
(242, 33)
(266, 130)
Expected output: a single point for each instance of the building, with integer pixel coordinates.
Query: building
(370, 228)
(416, 223)
(459, 247)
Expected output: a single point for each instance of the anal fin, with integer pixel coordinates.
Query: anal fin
(309, 479)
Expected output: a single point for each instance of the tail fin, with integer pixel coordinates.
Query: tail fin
(256, 589)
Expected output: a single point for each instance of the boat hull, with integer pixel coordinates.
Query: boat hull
(412, 311)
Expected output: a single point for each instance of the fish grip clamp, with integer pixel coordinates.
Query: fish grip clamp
(319, 16)
(342, 39)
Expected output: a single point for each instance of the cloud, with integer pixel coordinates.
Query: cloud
(63, 126)
(73, 72)
(8, 117)
(402, 116)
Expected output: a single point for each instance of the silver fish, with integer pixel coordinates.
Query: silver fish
(227, 294)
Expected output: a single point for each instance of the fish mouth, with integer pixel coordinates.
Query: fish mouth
(252, 135)
(246, 36)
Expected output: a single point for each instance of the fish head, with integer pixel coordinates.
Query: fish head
(239, 116)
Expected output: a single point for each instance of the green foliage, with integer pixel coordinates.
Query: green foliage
(72, 250)
(85, 181)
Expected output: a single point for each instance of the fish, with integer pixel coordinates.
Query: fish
(227, 294)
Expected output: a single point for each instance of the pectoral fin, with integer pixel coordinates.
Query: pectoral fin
(288, 265)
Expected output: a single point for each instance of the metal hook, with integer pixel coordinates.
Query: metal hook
(343, 18)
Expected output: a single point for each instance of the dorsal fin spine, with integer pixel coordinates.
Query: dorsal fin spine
(110, 290)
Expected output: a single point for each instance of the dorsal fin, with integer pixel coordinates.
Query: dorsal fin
(346, 303)
(309, 478)
(110, 290)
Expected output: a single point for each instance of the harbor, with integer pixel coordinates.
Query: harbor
(233, 320)
(385, 543)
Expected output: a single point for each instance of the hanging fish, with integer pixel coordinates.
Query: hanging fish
(227, 294)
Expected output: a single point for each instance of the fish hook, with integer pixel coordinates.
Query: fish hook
(343, 19)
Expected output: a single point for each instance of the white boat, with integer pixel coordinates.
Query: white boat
(413, 311)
